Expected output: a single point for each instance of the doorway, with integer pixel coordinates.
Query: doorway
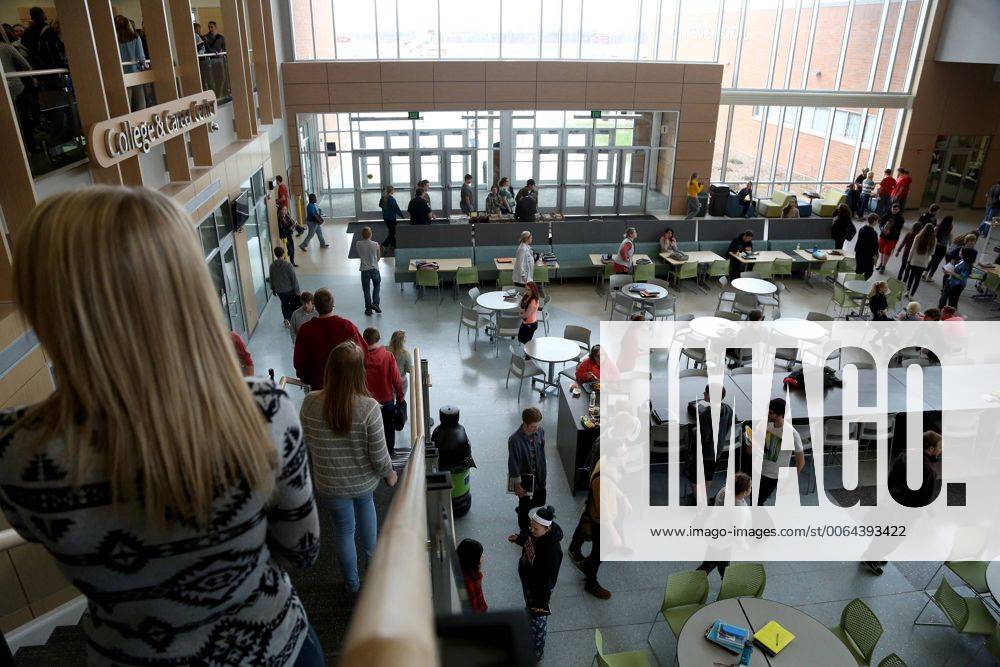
(443, 168)
(955, 169)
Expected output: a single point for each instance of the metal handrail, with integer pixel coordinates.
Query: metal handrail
(10, 539)
(35, 72)
(393, 622)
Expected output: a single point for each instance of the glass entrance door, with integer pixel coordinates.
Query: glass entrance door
(575, 173)
(955, 169)
(632, 192)
(368, 174)
(605, 175)
(459, 163)
(429, 168)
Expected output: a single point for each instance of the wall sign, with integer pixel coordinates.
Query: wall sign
(116, 139)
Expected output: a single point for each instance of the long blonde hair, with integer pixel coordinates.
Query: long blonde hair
(149, 391)
(343, 382)
(396, 342)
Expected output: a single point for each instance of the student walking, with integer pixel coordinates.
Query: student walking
(867, 187)
(302, 314)
(694, 188)
(384, 383)
(885, 189)
(866, 247)
(942, 234)
(956, 278)
(470, 559)
(404, 360)
(919, 257)
(538, 569)
(284, 284)
(391, 213)
(318, 336)
(588, 529)
(343, 427)
(776, 458)
(528, 309)
(286, 232)
(526, 469)
(314, 223)
(842, 229)
(891, 227)
(741, 491)
(467, 196)
(523, 270)
(370, 253)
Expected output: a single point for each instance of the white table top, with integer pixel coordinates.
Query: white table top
(448, 264)
(762, 256)
(857, 286)
(595, 258)
(552, 349)
(692, 648)
(661, 291)
(806, 254)
(699, 256)
(799, 329)
(993, 578)
(495, 301)
(711, 327)
(754, 286)
(814, 644)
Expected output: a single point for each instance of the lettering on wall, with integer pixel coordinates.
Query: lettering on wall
(116, 139)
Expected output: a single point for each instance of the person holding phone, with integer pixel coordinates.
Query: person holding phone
(526, 465)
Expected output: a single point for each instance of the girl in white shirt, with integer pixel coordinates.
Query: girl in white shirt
(524, 261)
(623, 258)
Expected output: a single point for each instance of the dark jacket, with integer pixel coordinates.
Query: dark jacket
(526, 209)
(891, 226)
(420, 211)
(521, 460)
(539, 565)
(711, 450)
(390, 209)
(842, 230)
(214, 43)
(867, 244)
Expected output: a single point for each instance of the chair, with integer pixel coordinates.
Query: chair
(782, 268)
(505, 279)
(623, 304)
(627, 659)
(892, 660)
(718, 268)
(615, 283)
(643, 273)
(764, 269)
(813, 316)
(521, 368)
(663, 308)
(750, 274)
(745, 303)
(896, 289)
(685, 271)
(743, 580)
(969, 616)
(470, 318)
(685, 594)
(859, 631)
(541, 275)
(544, 314)
(466, 275)
(771, 207)
(507, 327)
(427, 278)
(827, 205)
(847, 265)
(992, 644)
(842, 299)
(827, 269)
(728, 315)
(609, 270)
(471, 303)
(726, 293)
(581, 335)
(659, 282)
(772, 300)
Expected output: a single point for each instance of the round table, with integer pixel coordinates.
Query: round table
(993, 579)
(661, 292)
(814, 644)
(711, 327)
(495, 301)
(856, 286)
(551, 350)
(754, 286)
(794, 327)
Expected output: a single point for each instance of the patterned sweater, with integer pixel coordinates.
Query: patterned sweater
(182, 596)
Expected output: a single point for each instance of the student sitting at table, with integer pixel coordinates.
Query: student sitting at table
(589, 369)
(742, 243)
(668, 241)
(745, 198)
(623, 258)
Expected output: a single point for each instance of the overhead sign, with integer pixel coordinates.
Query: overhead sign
(413, 115)
(117, 139)
(595, 113)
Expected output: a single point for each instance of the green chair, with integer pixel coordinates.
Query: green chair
(859, 630)
(743, 580)
(771, 208)
(827, 269)
(609, 270)
(892, 660)
(427, 278)
(969, 616)
(686, 271)
(718, 268)
(827, 205)
(847, 265)
(627, 659)
(466, 275)
(844, 300)
(993, 643)
(644, 272)
(782, 268)
(685, 594)
(764, 269)
(505, 279)
(540, 275)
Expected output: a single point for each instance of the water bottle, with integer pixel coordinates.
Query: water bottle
(747, 652)
(798, 246)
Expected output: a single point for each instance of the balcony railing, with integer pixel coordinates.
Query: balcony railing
(45, 104)
(215, 75)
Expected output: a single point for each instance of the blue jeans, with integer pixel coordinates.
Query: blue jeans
(351, 515)
(314, 230)
(991, 212)
(370, 278)
(863, 206)
(311, 653)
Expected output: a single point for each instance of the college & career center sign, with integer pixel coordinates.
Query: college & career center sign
(117, 139)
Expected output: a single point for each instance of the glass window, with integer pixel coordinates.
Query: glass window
(571, 14)
(418, 24)
(729, 43)
(647, 31)
(521, 24)
(322, 29)
(755, 55)
(699, 27)
(551, 28)
(209, 237)
(468, 32)
(385, 16)
(303, 26)
(355, 24)
(667, 43)
(610, 35)
(831, 23)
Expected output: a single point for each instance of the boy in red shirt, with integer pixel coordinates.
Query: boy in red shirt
(317, 337)
(902, 188)
(384, 383)
(886, 187)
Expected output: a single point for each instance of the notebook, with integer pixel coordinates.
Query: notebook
(729, 637)
(505, 260)
(773, 638)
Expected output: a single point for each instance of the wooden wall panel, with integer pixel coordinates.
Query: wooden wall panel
(237, 63)
(189, 75)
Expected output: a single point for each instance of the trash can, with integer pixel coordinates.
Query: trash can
(455, 456)
(718, 198)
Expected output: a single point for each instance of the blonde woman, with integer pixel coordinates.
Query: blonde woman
(346, 438)
(171, 471)
(404, 361)
(523, 270)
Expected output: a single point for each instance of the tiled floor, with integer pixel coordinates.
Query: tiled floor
(474, 381)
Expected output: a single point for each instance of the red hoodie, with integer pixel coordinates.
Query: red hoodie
(314, 342)
(902, 188)
(382, 375)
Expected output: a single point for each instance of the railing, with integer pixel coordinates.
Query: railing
(45, 105)
(215, 75)
(393, 622)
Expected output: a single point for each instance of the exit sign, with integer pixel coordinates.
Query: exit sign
(413, 115)
(595, 113)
